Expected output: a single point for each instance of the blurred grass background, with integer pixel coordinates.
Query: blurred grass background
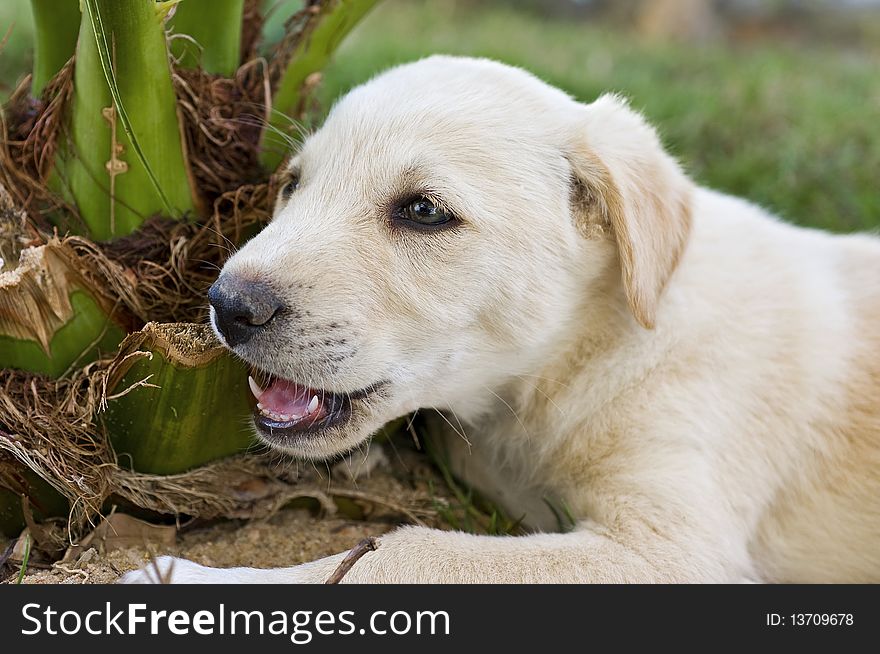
(785, 112)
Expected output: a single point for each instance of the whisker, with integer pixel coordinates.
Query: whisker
(549, 399)
(515, 414)
(463, 436)
(210, 264)
(548, 379)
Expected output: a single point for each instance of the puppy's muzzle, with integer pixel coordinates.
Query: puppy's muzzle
(242, 308)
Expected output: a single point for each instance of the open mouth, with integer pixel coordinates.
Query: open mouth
(285, 408)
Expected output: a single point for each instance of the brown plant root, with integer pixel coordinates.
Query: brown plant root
(222, 119)
(29, 133)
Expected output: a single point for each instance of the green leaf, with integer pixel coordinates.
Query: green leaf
(311, 51)
(25, 559)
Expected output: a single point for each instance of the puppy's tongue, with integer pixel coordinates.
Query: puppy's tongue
(286, 400)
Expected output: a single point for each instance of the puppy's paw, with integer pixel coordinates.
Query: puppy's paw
(171, 570)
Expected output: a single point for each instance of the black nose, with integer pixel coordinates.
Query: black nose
(241, 307)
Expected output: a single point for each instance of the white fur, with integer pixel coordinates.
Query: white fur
(695, 381)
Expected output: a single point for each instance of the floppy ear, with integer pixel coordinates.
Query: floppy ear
(628, 184)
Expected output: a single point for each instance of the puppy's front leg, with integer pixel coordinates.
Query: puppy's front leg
(420, 555)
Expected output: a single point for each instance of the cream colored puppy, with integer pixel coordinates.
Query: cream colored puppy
(697, 382)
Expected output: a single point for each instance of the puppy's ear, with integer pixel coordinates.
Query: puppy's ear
(625, 183)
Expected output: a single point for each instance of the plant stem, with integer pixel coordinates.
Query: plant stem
(50, 316)
(215, 25)
(193, 407)
(115, 181)
(319, 38)
(25, 559)
(56, 26)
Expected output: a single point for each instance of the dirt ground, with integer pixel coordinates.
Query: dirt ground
(292, 536)
(396, 486)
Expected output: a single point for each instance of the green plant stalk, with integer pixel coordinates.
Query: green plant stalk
(89, 334)
(311, 55)
(103, 170)
(215, 25)
(195, 409)
(56, 26)
(51, 319)
(25, 559)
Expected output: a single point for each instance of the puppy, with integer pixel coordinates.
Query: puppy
(695, 382)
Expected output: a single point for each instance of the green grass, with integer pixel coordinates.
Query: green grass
(795, 128)
(24, 563)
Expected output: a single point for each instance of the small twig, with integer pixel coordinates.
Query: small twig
(161, 577)
(7, 553)
(366, 545)
(412, 431)
(142, 383)
(36, 565)
(5, 39)
(6, 569)
(71, 571)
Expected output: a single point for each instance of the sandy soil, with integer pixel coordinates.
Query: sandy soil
(292, 536)
(395, 488)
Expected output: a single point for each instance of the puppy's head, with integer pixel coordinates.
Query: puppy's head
(435, 239)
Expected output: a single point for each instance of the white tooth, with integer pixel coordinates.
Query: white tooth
(255, 387)
(313, 404)
(259, 406)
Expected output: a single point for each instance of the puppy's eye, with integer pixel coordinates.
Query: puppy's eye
(289, 187)
(425, 212)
